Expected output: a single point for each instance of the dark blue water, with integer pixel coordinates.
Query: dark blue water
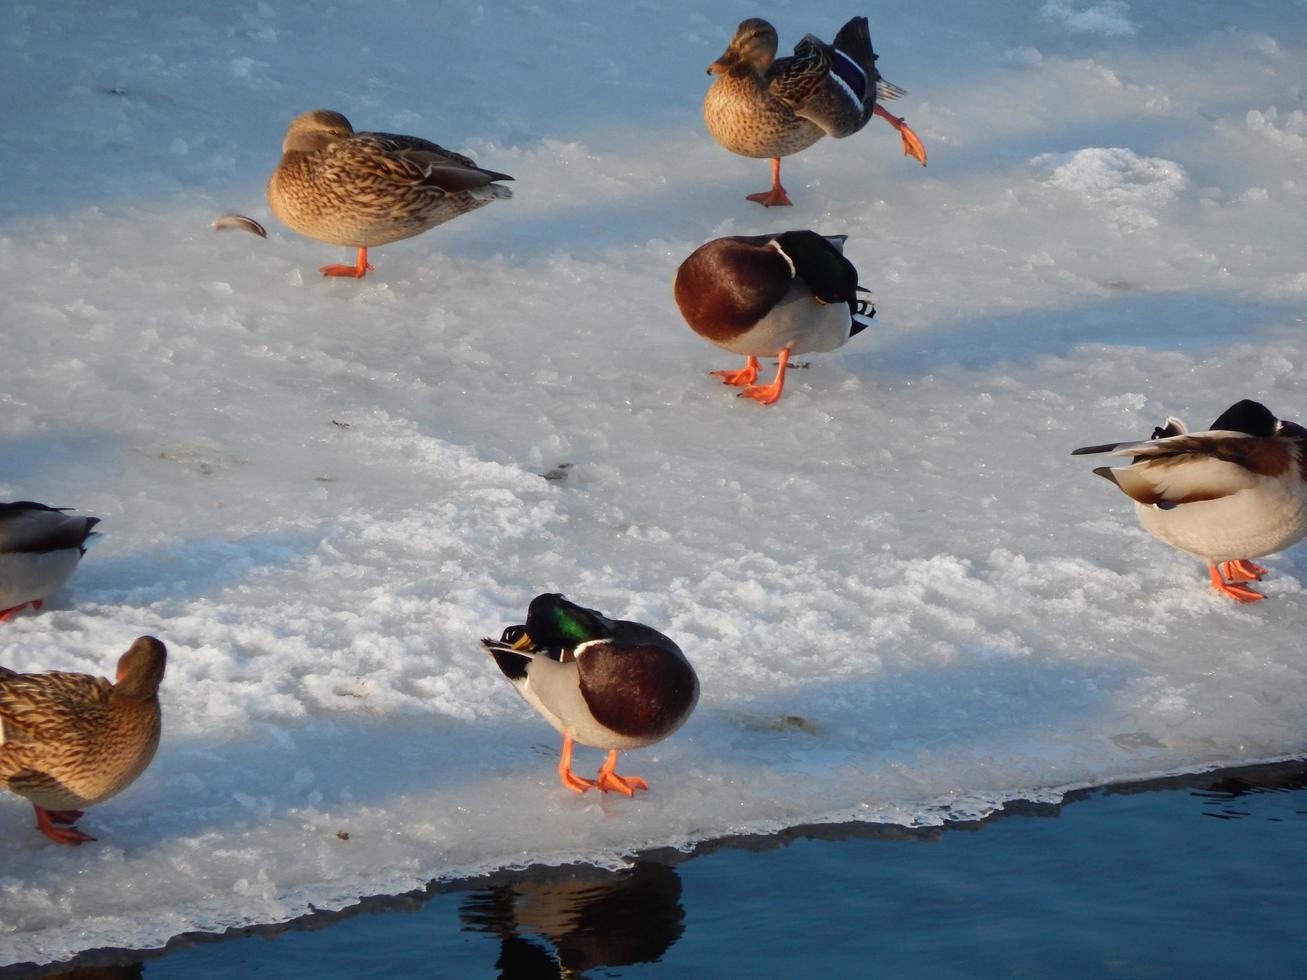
(1203, 877)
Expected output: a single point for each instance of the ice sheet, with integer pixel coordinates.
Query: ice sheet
(904, 598)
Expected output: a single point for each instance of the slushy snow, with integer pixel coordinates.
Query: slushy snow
(905, 600)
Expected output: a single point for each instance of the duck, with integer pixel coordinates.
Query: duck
(40, 547)
(1235, 492)
(606, 683)
(369, 189)
(771, 296)
(762, 106)
(69, 741)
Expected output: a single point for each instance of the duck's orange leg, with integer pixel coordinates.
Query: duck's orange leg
(357, 271)
(744, 376)
(911, 144)
(610, 780)
(47, 819)
(577, 784)
(1236, 592)
(766, 394)
(8, 613)
(776, 197)
(1242, 570)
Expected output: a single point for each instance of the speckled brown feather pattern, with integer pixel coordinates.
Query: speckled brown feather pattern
(744, 116)
(763, 106)
(368, 189)
(70, 740)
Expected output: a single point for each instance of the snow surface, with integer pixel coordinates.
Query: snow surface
(905, 600)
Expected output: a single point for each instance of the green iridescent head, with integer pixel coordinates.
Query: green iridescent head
(552, 621)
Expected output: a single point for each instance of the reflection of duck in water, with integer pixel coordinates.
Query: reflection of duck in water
(592, 920)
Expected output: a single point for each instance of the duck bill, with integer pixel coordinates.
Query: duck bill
(522, 641)
(722, 64)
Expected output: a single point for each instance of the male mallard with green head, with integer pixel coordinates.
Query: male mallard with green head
(771, 296)
(68, 740)
(39, 548)
(368, 189)
(607, 683)
(762, 106)
(1227, 495)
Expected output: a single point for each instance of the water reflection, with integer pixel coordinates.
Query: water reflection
(1220, 794)
(562, 927)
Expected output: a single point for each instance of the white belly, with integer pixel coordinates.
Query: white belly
(554, 690)
(1258, 521)
(798, 322)
(24, 576)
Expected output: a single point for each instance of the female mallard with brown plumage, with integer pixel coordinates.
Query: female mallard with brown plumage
(762, 106)
(40, 547)
(68, 740)
(608, 683)
(368, 189)
(771, 296)
(1227, 495)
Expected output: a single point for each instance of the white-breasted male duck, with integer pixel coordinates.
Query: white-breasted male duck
(39, 548)
(607, 683)
(762, 106)
(771, 296)
(68, 740)
(368, 189)
(1235, 492)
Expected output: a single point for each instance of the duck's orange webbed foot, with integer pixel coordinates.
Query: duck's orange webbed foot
(46, 821)
(776, 197)
(1236, 592)
(577, 784)
(744, 376)
(912, 146)
(609, 780)
(14, 610)
(357, 271)
(766, 394)
(66, 817)
(1242, 570)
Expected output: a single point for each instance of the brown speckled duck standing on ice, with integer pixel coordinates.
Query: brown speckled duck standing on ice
(1227, 495)
(40, 547)
(68, 740)
(762, 106)
(608, 683)
(368, 189)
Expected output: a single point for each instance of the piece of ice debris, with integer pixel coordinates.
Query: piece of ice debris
(340, 425)
(780, 723)
(229, 219)
(559, 472)
(343, 834)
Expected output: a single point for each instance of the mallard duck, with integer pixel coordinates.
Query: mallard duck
(771, 296)
(1227, 495)
(761, 106)
(39, 548)
(367, 189)
(603, 682)
(71, 740)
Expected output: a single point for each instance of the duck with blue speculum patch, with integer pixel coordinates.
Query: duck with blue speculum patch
(763, 106)
(608, 683)
(771, 296)
(1235, 492)
(40, 547)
